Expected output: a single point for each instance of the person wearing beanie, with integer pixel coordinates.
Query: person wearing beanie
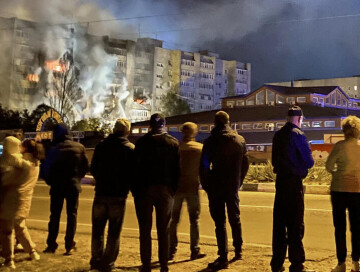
(188, 190)
(64, 167)
(157, 155)
(223, 167)
(111, 167)
(291, 158)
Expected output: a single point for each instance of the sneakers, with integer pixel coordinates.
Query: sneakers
(34, 256)
(355, 266)
(197, 255)
(218, 264)
(49, 250)
(341, 267)
(10, 264)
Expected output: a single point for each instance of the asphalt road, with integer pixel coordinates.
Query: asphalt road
(256, 218)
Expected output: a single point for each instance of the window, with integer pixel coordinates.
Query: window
(270, 97)
(305, 125)
(135, 131)
(338, 99)
(258, 126)
(329, 124)
(246, 126)
(321, 100)
(290, 100)
(280, 125)
(301, 99)
(317, 124)
(173, 129)
(344, 103)
(204, 128)
(315, 100)
(333, 98)
(260, 98)
(240, 103)
(268, 125)
(327, 100)
(230, 104)
(144, 130)
(250, 101)
(349, 104)
(211, 127)
(355, 88)
(280, 99)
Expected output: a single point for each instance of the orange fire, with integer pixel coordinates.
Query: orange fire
(33, 77)
(54, 65)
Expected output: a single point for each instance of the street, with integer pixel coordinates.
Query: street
(256, 218)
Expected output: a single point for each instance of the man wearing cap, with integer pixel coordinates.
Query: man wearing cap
(157, 166)
(291, 158)
(223, 167)
(111, 167)
(188, 190)
(64, 167)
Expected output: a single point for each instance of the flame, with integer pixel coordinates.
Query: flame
(33, 77)
(55, 66)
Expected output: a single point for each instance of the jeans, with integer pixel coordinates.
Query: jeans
(217, 202)
(340, 202)
(161, 198)
(193, 205)
(106, 209)
(56, 205)
(288, 223)
(7, 237)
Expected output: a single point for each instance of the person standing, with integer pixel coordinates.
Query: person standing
(188, 190)
(157, 163)
(223, 167)
(111, 167)
(344, 165)
(64, 167)
(291, 158)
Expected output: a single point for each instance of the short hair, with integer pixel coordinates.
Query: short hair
(295, 110)
(189, 129)
(221, 118)
(157, 120)
(122, 127)
(35, 148)
(351, 127)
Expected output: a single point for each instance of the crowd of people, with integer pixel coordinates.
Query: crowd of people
(162, 173)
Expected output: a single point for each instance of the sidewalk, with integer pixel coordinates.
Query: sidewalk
(255, 257)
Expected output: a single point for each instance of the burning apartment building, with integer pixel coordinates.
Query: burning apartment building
(83, 75)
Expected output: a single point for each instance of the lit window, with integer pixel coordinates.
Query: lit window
(280, 99)
(329, 123)
(204, 128)
(240, 103)
(250, 101)
(301, 99)
(260, 98)
(315, 99)
(258, 126)
(321, 100)
(269, 125)
(349, 104)
(290, 100)
(280, 125)
(135, 131)
(270, 97)
(144, 130)
(317, 124)
(246, 126)
(230, 104)
(355, 88)
(305, 125)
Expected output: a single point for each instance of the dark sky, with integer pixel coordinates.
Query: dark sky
(283, 40)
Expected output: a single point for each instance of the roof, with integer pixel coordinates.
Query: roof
(257, 113)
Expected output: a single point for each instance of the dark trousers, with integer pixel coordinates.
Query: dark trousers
(288, 223)
(106, 209)
(217, 202)
(193, 206)
(56, 205)
(161, 198)
(340, 202)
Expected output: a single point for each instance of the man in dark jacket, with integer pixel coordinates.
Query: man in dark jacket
(291, 158)
(223, 167)
(157, 165)
(111, 167)
(64, 167)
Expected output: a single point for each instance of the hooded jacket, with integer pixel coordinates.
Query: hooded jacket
(65, 164)
(112, 165)
(224, 161)
(19, 176)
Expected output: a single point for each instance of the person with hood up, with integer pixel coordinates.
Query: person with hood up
(19, 174)
(157, 155)
(64, 167)
(111, 167)
(188, 190)
(224, 165)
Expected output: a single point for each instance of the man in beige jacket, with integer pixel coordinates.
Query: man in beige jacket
(188, 190)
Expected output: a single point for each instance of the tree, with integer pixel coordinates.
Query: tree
(172, 104)
(64, 89)
(92, 124)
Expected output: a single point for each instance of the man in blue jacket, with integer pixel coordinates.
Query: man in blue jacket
(291, 158)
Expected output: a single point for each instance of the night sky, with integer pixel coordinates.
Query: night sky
(283, 40)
